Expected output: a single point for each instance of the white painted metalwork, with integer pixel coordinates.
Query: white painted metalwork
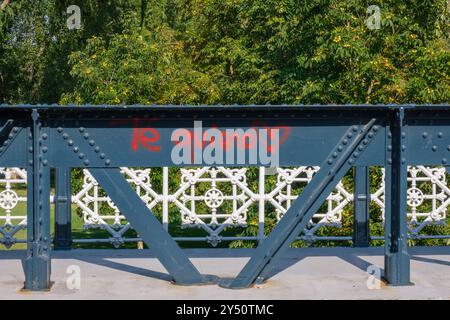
(11, 221)
(214, 199)
(428, 197)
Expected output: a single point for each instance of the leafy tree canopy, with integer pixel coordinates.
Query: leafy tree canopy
(225, 51)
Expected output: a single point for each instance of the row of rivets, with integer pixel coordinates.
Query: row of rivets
(71, 144)
(8, 140)
(365, 142)
(44, 163)
(91, 142)
(340, 146)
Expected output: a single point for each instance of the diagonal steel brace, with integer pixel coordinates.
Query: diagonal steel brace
(149, 228)
(337, 164)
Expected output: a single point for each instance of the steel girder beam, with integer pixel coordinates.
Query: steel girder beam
(38, 261)
(149, 228)
(63, 210)
(332, 170)
(361, 233)
(40, 137)
(396, 258)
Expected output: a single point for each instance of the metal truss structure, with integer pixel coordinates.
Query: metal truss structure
(116, 146)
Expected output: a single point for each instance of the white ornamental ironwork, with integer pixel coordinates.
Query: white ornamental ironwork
(11, 222)
(282, 196)
(428, 197)
(216, 198)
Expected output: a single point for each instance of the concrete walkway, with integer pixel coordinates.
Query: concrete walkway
(313, 273)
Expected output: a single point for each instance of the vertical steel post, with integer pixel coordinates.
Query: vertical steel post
(63, 232)
(361, 233)
(38, 262)
(396, 258)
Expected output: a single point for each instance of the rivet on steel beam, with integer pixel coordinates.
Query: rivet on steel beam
(440, 134)
(70, 143)
(86, 162)
(330, 161)
(340, 148)
(355, 128)
(102, 156)
(44, 136)
(6, 142)
(45, 162)
(2, 149)
(97, 149)
(10, 136)
(351, 161)
(434, 148)
(76, 149)
(389, 148)
(376, 128)
(403, 160)
(361, 148)
(81, 155)
(403, 134)
(108, 162)
(30, 162)
(60, 129)
(349, 135)
(389, 135)
(448, 148)
(424, 135)
(403, 147)
(81, 129)
(91, 143)
(335, 154)
(355, 155)
(370, 135)
(86, 135)
(444, 160)
(44, 149)
(65, 136)
(15, 129)
(365, 142)
(345, 141)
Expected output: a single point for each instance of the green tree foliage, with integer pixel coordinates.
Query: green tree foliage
(226, 51)
(138, 68)
(320, 51)
(36, 43)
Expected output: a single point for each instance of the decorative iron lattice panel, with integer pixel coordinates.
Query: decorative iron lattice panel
(216, 198)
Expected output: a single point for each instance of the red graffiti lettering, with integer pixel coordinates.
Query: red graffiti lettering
(145, 137)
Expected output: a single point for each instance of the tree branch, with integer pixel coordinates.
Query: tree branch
(4, 4)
